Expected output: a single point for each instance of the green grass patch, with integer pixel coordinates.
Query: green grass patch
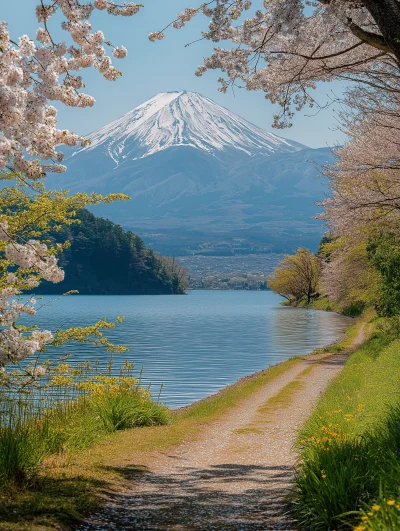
(244, 431)
(323, 303)
(216, 405)
(124, 410)
(350, 446)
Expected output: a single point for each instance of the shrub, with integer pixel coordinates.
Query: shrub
(389, 327)
(354, 309)
(66, 413)
(127, 409)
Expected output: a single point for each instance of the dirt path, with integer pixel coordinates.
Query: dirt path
(237, 475)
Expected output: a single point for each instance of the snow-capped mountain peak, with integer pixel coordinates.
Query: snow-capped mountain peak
(183, 119)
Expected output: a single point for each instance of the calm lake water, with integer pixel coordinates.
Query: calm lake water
(198, 343)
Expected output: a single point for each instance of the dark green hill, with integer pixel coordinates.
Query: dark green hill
(105, 259)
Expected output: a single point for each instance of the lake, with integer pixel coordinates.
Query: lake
(198, 343)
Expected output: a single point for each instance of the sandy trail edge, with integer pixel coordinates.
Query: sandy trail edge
(236, 476)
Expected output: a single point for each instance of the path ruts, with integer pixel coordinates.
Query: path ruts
(237, 474)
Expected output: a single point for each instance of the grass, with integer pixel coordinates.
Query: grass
(245, 431)
(39, 489)
(29, 435)
(124, 410)
(323, 303)
(65, 490)
(350, 446)
(285, 395)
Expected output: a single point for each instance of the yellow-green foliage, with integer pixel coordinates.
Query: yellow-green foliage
(31, 212)
(296, 276)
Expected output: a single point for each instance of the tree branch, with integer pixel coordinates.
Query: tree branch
(373, 39)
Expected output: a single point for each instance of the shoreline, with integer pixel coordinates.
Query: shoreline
(262, 372)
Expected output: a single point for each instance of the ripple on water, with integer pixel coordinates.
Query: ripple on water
(196, 344)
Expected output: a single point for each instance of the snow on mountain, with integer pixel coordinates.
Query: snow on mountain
(191, 165)
(172, 119)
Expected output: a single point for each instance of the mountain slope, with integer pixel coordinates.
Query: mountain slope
(189, 164)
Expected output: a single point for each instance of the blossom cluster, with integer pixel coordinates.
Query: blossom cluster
(34, 73)
(15, 346)
(285, 47)
(32, 254)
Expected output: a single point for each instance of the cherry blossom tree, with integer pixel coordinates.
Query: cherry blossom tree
(36, 75)
(284, 47)
(364, 205)
(365, 182)
(348, 278)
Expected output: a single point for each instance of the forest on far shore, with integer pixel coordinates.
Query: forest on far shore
(104, 259)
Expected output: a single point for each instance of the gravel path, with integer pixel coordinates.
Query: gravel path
(237, 475)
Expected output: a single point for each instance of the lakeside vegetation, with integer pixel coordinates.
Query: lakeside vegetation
(349, 447)
(369, 277)
(67, 410)
(73, 480)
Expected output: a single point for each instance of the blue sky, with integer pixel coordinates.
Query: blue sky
(165, 66)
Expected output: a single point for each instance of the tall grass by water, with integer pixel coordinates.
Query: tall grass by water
(350, 447)
(66, 410)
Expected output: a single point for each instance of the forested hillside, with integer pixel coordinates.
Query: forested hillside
(105, 259)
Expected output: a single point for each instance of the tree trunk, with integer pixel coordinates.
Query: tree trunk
(386, 14)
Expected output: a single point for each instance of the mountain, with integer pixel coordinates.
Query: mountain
(196, 173)
(172, 119)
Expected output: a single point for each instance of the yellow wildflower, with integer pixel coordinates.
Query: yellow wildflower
(375, 507)
(390, 502)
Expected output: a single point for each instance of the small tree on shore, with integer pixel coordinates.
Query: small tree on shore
(296, 276)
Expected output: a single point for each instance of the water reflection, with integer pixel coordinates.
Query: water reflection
(198, 343)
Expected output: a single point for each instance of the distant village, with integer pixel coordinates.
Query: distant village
(239, 272)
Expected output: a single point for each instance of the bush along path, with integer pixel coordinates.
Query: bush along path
(238, 471)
